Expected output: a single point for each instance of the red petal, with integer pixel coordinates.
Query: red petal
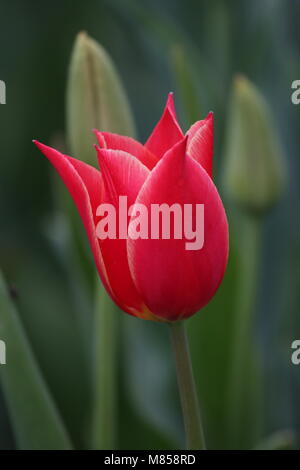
(166, 133)
(175, 282)
(171, 105)
(200, 143)
(85, 185)
(123, 175)
(127, 144)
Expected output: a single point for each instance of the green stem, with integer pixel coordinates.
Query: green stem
(243, 403)
(187, 387)
(106, 329)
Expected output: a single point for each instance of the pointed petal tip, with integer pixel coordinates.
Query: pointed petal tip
(99, 156)
(100, 138)
(40, 146)
(200, 144)
(178, 151)
(167, 131)
(170, 105)
(103, 155)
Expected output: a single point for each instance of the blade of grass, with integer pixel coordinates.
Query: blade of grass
(33, 414)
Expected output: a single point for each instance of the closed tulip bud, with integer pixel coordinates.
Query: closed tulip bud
(254, 172)
(95, 98)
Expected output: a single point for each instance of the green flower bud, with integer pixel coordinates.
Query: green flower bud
(95, 98)
(254, 170)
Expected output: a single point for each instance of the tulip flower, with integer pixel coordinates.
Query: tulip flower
(157, 277)
(154, 279)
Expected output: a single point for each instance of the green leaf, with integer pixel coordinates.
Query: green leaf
(59, 330)
(245, 390)
(35, 419)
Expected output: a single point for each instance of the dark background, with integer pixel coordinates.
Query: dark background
(260, 39)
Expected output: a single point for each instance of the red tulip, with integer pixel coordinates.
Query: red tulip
(156, 279)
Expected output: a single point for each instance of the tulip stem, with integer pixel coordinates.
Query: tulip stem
(187, 388)
(245, 372)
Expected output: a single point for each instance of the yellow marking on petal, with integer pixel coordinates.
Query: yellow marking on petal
(146, 314)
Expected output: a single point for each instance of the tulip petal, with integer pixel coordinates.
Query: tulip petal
(85, 186)
(171, 105)
(123, 175)
(200, 143)
(166, 133)
(173, 281)
(127, 144)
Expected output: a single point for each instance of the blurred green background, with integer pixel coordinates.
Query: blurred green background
(214, 40)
